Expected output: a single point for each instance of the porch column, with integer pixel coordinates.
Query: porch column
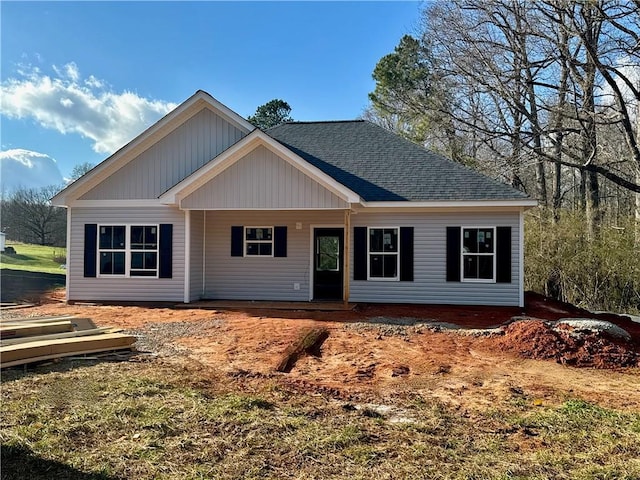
(346, 260)
(187, 256)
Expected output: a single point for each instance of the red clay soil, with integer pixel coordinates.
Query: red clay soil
(537, 340)
(365, 361)
(539, 306)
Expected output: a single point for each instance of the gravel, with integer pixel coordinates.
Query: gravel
(591, 325)
(159, 338)
(405, 326)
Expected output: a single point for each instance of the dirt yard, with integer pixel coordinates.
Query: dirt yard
(376, 353)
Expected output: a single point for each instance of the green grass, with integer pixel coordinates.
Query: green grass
(153, 421)
(34, 258)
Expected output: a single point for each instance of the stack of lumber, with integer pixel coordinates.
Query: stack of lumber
(28, 340)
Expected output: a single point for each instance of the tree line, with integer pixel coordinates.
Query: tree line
(27, 215)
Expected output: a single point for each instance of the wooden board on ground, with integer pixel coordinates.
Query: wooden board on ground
(30, 329)
(78, 323)
(20, 354)
(21, 320)
(55, 336)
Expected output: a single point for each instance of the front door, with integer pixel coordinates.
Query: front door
(328, 250)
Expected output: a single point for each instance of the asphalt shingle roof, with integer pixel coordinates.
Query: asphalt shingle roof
(381, 166)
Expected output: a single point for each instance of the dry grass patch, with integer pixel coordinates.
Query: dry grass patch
(152, 420)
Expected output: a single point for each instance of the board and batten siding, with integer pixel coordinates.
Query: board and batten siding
(261, 278)
(262, 180)
(196, 265)
(119, 288)
(430, 243)
(170, 160)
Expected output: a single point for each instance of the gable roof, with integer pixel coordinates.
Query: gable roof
(187, 109)
(238, 151)
(383, 167)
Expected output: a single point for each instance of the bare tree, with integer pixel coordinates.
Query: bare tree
(28, 216)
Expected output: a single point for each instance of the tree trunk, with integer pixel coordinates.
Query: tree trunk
(593, 204)
(637, 195)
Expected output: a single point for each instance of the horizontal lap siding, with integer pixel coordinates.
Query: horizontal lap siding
(125, 289)
(262, 180)
(170, 160)
(256, 278)
(197, 250)
(430, 285)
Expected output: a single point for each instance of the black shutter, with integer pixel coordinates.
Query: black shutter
(237, 241)
(453, 254)
(165, 262)
(406, 254)
(279, 241)
(503, 254)
(90, 249)
(359, 253)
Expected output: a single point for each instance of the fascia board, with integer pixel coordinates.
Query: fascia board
(526, 203)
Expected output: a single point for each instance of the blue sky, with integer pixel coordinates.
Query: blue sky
(79, 80)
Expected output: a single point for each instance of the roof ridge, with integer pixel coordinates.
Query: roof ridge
(324, 121)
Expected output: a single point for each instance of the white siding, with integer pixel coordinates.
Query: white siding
(170, 160)
(125, 289)
(197, 252)
(261, 278)
(430, 285)
(262, 180)
(273, 278)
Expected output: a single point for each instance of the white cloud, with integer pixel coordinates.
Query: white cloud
(28, 169)
(67, 103)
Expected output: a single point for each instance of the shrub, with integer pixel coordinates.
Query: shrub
(602, 273)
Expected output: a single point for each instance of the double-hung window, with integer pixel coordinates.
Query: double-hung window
(113, 251)
(128, 250)
(144, 251)
(478, 254)
(258, 241)
(383, 253)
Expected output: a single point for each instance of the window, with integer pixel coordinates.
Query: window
(383, 253)
(144, 251)
(128, 250)
(258, 241)
(328, 253)
(112, 245)
(478, 254)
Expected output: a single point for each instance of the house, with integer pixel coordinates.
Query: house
(202, 205)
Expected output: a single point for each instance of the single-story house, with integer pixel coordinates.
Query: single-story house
(202, 205)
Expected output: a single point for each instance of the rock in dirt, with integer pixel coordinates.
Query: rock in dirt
(581, 325)
(399, 371)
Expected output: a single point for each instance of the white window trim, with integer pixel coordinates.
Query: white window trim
(245, 241)
(462, 255)
(382, 279)
(127, 250)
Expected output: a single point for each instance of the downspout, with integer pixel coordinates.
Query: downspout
(187, 256)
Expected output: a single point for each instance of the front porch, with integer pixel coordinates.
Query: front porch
(273, 256)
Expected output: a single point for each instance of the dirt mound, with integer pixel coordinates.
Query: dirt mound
(539, 306)
(537, 339)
